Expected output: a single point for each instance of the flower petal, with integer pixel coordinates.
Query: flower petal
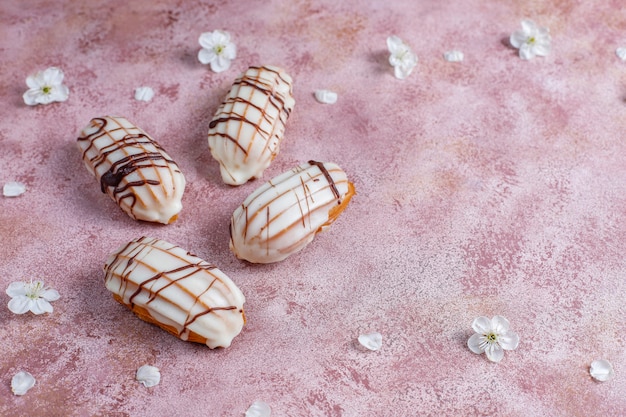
(258, 409)
(206, 56)
(22, 382)
(31, 96)
(59, 93)
(541, 49)
(53, 76)
(499, 324)
(372, 341)
(621, 53)
(494, 353)
(394, 43)
(20, 304)
(453, 56)
(220, 64)
(148, 375)
(13, 189)
(50, 295)
(41, 306)
(517, 39)
(402, 71)
(526, 52)
(35, 81)
(602, 370)
(475, 343)
(481, 325)
(144, 94)
(326, 96)
(529, 27)
(16, 289)
(509, 340)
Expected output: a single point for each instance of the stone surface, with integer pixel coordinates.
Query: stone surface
(491, 186)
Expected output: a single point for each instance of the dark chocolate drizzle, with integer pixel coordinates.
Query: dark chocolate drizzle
(326, 174)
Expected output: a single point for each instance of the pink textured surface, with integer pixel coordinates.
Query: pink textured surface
(491, 186)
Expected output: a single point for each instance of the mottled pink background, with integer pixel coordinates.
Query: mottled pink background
(490, 186)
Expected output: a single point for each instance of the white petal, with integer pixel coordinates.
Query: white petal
(50, 295)
(621, 53)
(148, 375)
(35, 81)
(59, 93)
(394, 43)
(541, 49)
(474, 343)
(509, 340)
(16, 289)
(528, 26)
(206, 40)
(372, 341)
(602, 370)
(144, 94)
(453, 56)
(230, 51)
(22, 382)
(326, 96)
(53, 76)
(20, 304)
(499, 324)
(402, 71)
(41, 306)
(220, 64)
(258, 409)
(31, 96)
(526, 52)
(518, 38)
(481, 325)
(494, 353)
(206, 56)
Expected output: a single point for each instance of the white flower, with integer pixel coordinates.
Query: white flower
(402, 59)
(453, 56)
(217, 50)
(144, 94)
(602, 370)
(531, 40)
(148, 375)
(22, 382)
(258, 409)
(372, 341)
(46, 87)
(621, 53)
(34, 297)
(326, 96)
(13, 189)
(492, 337)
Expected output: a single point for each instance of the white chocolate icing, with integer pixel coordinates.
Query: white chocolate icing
(248, 127)
(181, 293)
(133, 169)
(283, 215)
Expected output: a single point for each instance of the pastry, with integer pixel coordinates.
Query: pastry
(132, 169)
(186, 296)
(283, 215)
(248, 127)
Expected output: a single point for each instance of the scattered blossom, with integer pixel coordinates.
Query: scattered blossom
(46, 87)
(402, 58)
(531, 40)
(22, 382)
(453, 56)
(33, 296)
(217, 50)
(602, 370)
(144, 94)
(492, 337)
(326, 96)
(148, 375)
(258, 409)
(621, 53)
(372, 341)
(13, 189)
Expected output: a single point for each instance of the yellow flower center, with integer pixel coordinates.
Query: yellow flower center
(491, 337)
(219, 49)
(531, 40)
(46, 89)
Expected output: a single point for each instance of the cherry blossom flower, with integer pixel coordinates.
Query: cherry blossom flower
(492, 337)
(148, 375)
(22, 382)
(144, 94)
(258, 409)
(531, 40)
(13, 189)
(372, 341)
(46, 87)
(217, 50)
(33, 297)
(402, 58)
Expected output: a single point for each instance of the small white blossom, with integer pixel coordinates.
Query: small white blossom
(217, 50)
(13, 189)
(621, 53)
(258, 409)
(402, 58)
(46, 87)
(326, 96)
(144, 94)
(22, 382)
(33, 296)
(148, 375)
(372, 341)
(492, 337)
(531, 40)
(602, 370)
(453, 56)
